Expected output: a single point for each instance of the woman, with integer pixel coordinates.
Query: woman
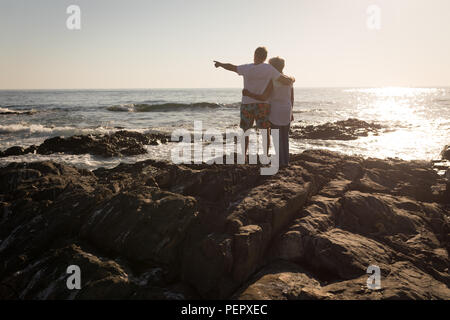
(281, 99)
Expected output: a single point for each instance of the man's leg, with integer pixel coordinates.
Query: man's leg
(262, 122)
(247, 119)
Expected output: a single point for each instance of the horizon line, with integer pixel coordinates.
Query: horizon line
(215, 88)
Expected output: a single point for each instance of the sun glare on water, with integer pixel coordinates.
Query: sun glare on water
(415, 122)
(408, 132)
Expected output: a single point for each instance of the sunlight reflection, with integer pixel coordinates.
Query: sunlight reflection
(396, 91)
(409, 130)
(401, 105)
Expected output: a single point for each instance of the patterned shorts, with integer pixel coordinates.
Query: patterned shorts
(258, 112)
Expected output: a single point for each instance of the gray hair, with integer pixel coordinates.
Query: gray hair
(277, 63)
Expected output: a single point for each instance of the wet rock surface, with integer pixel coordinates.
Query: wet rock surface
(156, 230)
(350, 129)
(117, 144)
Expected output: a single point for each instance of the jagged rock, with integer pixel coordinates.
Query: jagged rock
(145, 224)
(350, 129)
(117, 144)
(13, 151)
(283, 281)
(156, 230)
(46, 203)
(30, 149)
(121, 143)
(46, 278)
(409, 178)
(251, 222)
(339, 237)
(400, 281)
(100, 279)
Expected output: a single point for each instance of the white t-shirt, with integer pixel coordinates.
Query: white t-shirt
(256, 79)
(280, 104)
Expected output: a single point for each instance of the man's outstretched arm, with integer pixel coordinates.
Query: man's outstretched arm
(226, 66)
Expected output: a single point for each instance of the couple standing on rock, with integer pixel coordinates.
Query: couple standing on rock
(267, 98)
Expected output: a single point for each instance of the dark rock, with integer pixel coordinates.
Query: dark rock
(118, 144)
(400, 281)
(350, 129)
(101, 278)
(282, 281)
(18, 151)
(35, 282)
(121, 143)
(156, 230)
(30, 149)
(13, 151)
(145, 224)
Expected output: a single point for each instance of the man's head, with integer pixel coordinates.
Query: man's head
(277, 63)
(260, 55)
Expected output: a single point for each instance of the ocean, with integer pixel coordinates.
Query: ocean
(418, 119)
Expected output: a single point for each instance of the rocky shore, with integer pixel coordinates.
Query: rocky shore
(131, 143)
(350, 129)
(117, 144)
(156, 230)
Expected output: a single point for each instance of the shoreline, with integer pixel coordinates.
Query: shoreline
(127, 146)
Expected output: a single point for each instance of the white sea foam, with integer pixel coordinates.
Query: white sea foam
(5, 110)
(168, 106)
(122, 108)
(91, 162)
(417, 119)
(9, 111)
(37, 129)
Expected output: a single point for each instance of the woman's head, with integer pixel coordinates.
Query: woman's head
(277, 63)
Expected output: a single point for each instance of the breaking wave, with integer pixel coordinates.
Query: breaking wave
(37, 129)
(164, 107)
(6, 111)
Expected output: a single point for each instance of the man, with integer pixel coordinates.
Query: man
(257, 76)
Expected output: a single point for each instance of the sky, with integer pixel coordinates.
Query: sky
(172, 43)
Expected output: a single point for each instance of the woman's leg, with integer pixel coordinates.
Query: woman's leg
(284, 146)
(283, 134)
(276, 142)
(286, 137)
